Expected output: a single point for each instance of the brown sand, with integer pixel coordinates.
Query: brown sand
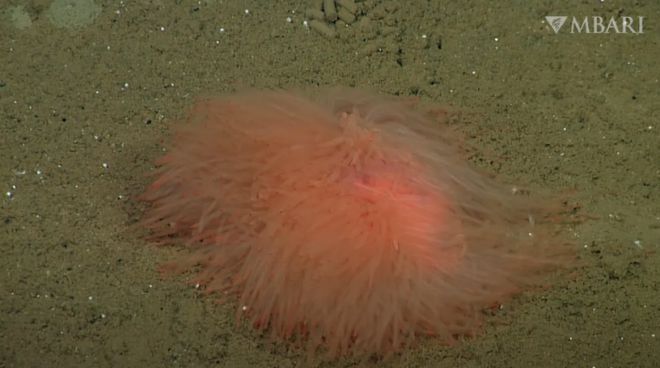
(556, 112)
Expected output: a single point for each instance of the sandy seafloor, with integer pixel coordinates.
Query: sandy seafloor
(89, 97)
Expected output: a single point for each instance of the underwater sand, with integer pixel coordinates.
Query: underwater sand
(88, 98)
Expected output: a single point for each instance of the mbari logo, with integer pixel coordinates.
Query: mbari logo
(596, 24)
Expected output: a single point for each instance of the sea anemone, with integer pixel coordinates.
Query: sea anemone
(344, 220)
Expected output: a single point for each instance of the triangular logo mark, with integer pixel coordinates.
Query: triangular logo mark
(555, 22)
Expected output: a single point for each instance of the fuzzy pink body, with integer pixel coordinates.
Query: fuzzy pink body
(346, 221)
